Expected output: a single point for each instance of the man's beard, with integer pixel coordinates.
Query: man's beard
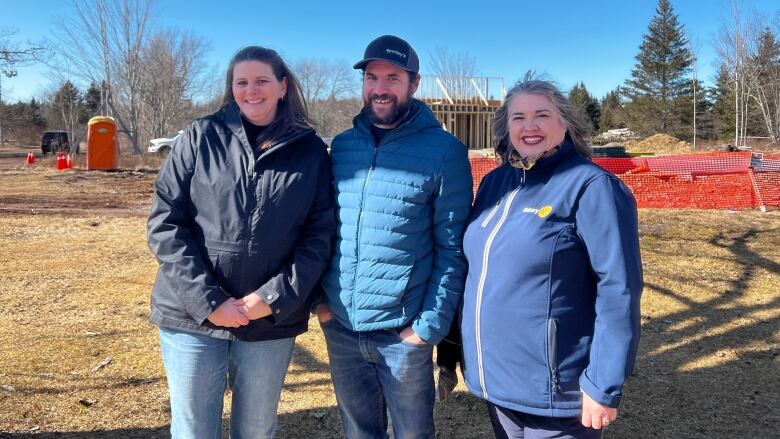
(397, 111)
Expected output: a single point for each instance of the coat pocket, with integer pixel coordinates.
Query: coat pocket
(224, 261)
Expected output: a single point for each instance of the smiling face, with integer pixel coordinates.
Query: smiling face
(535, 124)
(387, 93)
(257, 91)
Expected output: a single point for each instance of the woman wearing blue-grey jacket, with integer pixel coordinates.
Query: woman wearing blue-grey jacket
(241, 224)
(551, 309)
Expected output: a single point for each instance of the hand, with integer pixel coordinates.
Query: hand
(252, 306)
(227, 315)
(324, 315)
(408, 335)
(595, 415)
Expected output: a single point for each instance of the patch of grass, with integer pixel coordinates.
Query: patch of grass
(75, 290)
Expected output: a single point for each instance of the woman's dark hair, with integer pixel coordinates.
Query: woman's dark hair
(576, 129)
(291, 112)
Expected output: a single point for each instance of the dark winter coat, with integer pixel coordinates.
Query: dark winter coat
(225, 223)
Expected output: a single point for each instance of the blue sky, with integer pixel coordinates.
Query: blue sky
(591, 41)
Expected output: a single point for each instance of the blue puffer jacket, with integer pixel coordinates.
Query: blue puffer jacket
(552, 297)
(402, 207)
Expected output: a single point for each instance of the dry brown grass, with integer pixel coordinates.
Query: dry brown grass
(659, 144)
(76, 277)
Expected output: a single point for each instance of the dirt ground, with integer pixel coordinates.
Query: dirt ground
(76, 276)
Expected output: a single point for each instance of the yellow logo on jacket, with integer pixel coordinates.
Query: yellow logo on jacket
(542, 212)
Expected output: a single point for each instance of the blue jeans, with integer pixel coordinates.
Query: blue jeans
(375, 372)
(199, 367)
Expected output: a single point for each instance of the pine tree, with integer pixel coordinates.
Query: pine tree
(660, 77)
(723, 103)
(66, 107)
(588, 107)
(25, 121)
(611, 112)
(704, 114)
(91, 103)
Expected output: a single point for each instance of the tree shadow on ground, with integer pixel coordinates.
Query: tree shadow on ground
(701, 375)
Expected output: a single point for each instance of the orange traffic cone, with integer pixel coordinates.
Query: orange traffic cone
(61, 161)
(68, 162)
(30, 158)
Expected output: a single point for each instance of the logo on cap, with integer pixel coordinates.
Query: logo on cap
(395, 52)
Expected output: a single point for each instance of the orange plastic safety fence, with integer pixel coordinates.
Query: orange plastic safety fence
(481, 166)
(719, 180)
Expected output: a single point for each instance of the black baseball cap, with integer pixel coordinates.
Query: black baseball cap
(392, 49)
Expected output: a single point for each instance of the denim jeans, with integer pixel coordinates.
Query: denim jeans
(198, 368)
(375, 372)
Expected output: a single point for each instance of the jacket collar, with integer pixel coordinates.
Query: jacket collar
(565, 151)
(231, 117)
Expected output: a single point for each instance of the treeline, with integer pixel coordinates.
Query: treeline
(69, 108)
(153, 80)
(330, 89)
(664, 95)
(150, 78)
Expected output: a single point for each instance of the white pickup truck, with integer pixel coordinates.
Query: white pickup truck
(162, 146)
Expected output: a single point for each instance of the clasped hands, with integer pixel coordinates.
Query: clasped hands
(234, 313)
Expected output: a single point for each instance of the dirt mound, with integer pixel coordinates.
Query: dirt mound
(659, 143)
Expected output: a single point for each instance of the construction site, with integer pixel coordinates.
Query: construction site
(80, 359)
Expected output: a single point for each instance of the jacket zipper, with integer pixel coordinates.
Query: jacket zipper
(491, 214)
(359, 228)
(483, 277)
(247, 242)
(252, 198)
(552, 352)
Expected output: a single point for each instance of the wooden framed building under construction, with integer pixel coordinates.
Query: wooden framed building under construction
(465, 106)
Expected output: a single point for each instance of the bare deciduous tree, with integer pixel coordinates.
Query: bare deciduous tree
(103, 43)
(749, 50)
(330, 89)
(173, 74)
(455, 71)
(149, 77)
(14, 54)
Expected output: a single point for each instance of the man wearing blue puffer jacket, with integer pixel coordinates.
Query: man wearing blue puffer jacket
(403, 192)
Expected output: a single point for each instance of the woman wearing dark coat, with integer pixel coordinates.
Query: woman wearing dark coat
(241, 224)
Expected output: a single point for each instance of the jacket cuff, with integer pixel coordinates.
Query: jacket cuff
(271, 296)
(267, 297)
(587, 386)
(426, 334)
(214, 299)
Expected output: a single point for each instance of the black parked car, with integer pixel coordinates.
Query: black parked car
(55, 141)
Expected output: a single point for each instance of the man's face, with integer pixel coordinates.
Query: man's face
(387, 93)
